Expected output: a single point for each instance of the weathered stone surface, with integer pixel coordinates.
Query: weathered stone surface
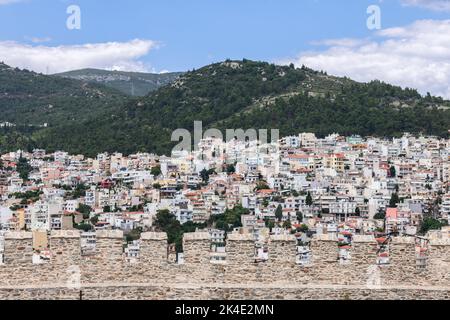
(158, 236)
(18, 248)
(65, 247)
(106, 275)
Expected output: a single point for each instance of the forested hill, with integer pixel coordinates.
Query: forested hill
(130, 83)
(247, 94)
(32, 99)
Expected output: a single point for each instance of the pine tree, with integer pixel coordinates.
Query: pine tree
(279, 213)
(309, 199)
(394, 200)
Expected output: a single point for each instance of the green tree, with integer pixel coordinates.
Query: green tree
(279, 213)
(303, 228)
(380, 215)
(94, 219)
(392, 172)
(167, 222)
(80, 191)
(430, 224)
(394, 200)
(262, 186)
(156, 171)
(270, 224)
(309, 199)
(85, 210)
(134, 234)
(83, 226)
(230, 219)
(205, 174)
(23, 168)
(231, 169)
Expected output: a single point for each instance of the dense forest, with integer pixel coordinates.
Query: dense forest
(33, 100)
(131, 83)
(232, 94)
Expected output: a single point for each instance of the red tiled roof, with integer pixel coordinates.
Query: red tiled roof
(266, 191)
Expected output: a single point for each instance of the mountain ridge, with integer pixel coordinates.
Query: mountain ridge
(130, 83)
(29, 98)
(244, 94)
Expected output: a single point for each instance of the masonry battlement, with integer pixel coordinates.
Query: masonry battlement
(240, 237)
(112, 240)
(18, 235)
(157, 236)
(440, 242)
(404, 240)
(238, 264)
(364, 239)
(325, 237)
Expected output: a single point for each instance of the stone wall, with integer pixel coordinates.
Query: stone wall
(65, 247)
(153, 248)
(18, 248)
(122, 291)
(106, 274)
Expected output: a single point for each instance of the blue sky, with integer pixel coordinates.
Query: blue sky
(178, 35)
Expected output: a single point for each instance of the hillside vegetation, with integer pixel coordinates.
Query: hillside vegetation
(130, 83)
(243, 94)
(32, 99)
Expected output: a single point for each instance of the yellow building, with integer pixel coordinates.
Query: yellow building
(40, 240)
(336, 162)
(20, 215)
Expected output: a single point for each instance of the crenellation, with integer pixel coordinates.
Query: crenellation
(402, 251)
(439, 260)
(197, 248)
(153, 248)
(364, 251)
(18, 248)
(240, 269)
(283, 250)
(240, 249)
(109, 245)
(402, 261)
(65, 247)
(324, 249)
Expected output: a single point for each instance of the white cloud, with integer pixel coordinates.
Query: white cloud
(38, 39)
(437, 5)
(346, 42)
(110, 55)
(416, 56)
